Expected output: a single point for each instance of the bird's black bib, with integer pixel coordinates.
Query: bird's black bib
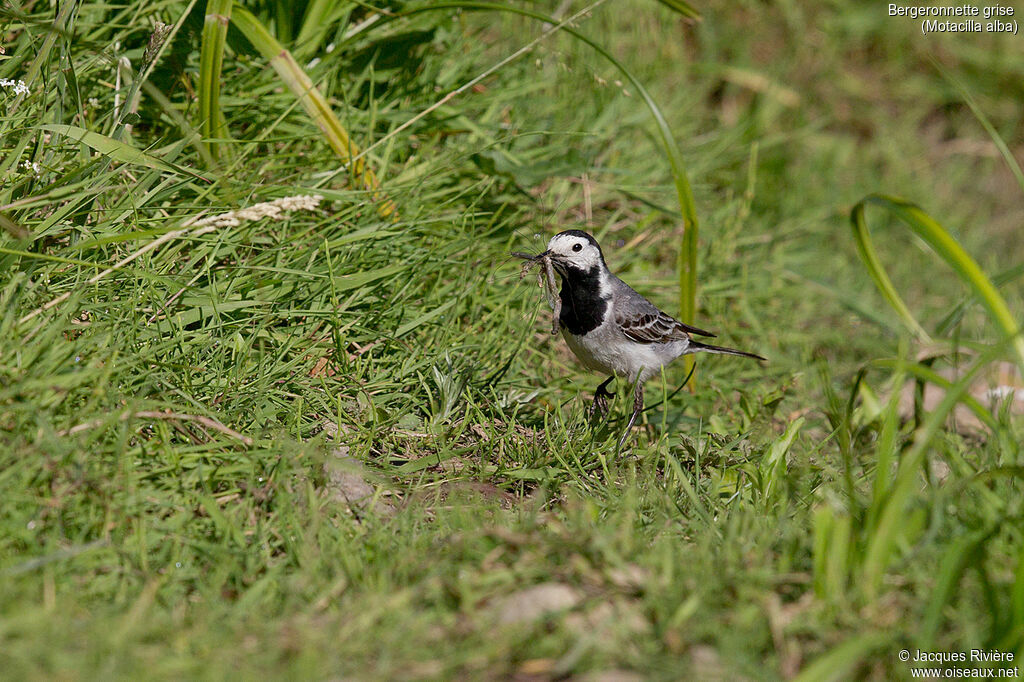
(583, 308)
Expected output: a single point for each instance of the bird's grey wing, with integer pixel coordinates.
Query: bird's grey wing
(641, 321)
(651, 327)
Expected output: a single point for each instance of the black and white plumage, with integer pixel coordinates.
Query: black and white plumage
(610, 327)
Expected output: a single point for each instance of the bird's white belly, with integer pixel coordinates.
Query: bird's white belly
(608, 351)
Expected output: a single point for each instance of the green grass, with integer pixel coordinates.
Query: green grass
(179, 436)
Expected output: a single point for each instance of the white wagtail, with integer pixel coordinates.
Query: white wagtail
(610, 327)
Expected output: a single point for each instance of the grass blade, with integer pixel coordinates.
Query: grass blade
(891, 519)
(947, 248)
(881, 278)
(160, 39)
(14, 229)
(211, 59)
(839, 662)
(320, 15)
(684, 8)
(773, 466)
(1017, 595)
(117, 150)
(886, 451)
(926, 374)
(314, 103)
(59, 28)
(997, 139)
(958, 557)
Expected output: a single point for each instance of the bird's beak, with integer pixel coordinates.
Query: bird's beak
(526, 256)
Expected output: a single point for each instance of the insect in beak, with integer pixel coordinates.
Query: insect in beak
(546, 276)
(526, 256)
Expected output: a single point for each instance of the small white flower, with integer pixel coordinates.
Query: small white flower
(18, 85)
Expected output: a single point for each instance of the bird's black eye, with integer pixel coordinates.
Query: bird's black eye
(577, 247)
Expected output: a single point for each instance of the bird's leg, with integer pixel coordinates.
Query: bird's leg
(638, 407)
(599, 407)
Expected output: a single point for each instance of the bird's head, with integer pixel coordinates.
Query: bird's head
(574, 249)
(571, 250)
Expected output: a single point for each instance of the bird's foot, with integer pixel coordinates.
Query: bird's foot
(599, 408)
(638, 407)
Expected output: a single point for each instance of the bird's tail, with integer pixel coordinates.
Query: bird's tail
(697, 346)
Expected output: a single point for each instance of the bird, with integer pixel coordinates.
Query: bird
(610, 327)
